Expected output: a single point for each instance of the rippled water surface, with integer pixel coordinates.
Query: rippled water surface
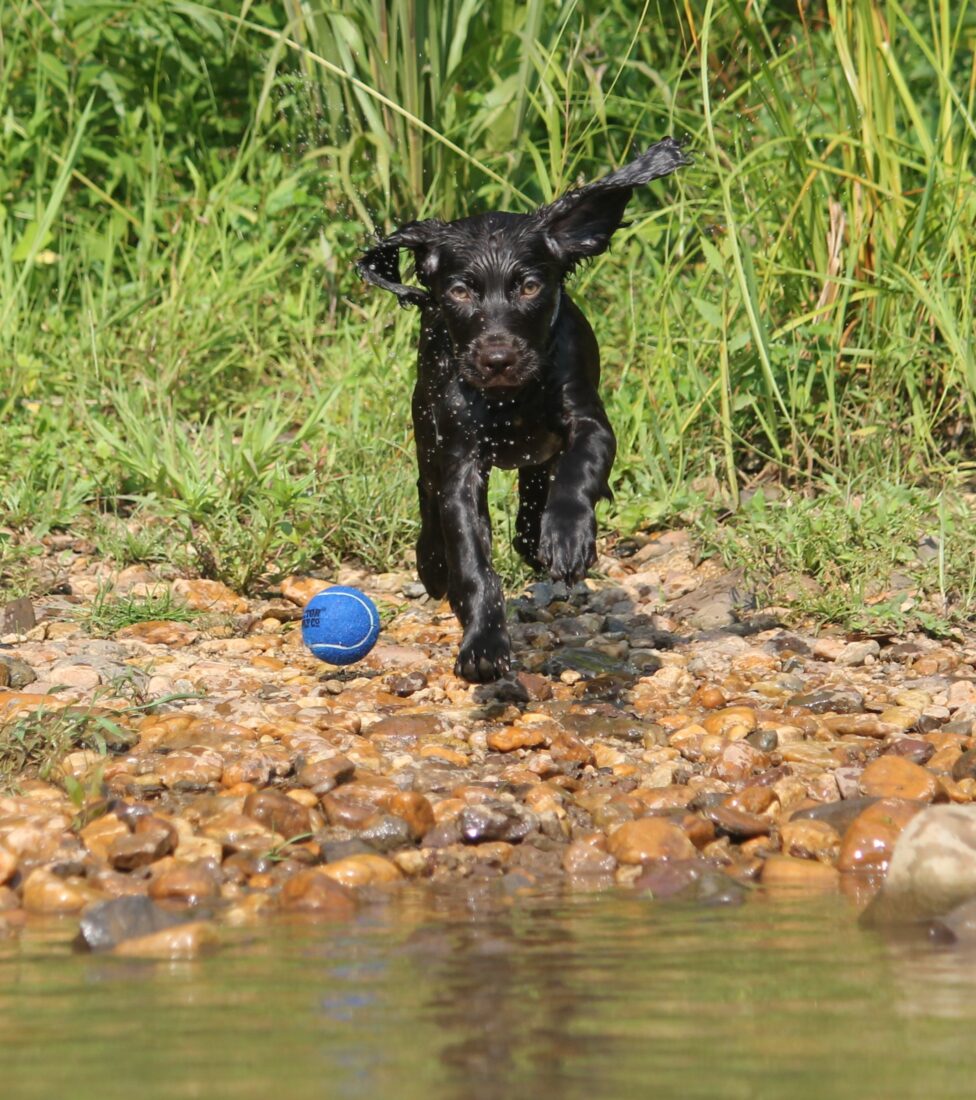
(457, 995)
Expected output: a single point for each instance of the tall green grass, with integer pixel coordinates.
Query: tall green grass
(184, 186)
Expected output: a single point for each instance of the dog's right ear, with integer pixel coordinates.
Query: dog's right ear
(381, 264)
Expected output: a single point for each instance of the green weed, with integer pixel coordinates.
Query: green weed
(107, 614)
(36, 744)
(869, 556)
(192, 373)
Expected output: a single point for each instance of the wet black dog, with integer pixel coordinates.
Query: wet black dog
(508, 374)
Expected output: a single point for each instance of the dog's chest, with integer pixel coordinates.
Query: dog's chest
(515, 434)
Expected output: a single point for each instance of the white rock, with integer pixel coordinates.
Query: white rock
(933, 867)
(857, 653)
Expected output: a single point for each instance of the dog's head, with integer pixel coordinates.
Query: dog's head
(495, 279)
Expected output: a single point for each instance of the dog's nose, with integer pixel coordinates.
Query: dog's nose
(497, 357)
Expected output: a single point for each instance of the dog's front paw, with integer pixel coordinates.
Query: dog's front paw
(484, 656)
(567, 547)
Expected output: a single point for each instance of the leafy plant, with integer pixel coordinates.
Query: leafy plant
(36, 743)
(184, 187)
(864, 555)
(106, 613)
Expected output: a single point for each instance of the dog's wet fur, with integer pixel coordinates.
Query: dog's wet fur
(507, 376)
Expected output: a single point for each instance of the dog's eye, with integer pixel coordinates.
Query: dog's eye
(530, 287)
(459, 292)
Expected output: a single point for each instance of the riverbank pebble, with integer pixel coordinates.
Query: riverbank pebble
(653, 736)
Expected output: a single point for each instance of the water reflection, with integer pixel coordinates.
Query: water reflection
(471, 993)
(933, 981)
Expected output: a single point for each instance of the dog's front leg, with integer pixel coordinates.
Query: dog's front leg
(474, 589)
(567, 547)
(533, 487)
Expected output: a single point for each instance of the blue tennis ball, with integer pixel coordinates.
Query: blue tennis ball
(340, 625)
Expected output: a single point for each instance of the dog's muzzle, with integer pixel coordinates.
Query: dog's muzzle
(499, 362)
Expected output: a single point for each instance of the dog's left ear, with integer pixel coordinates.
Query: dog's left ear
(381, 264)
(580, 223)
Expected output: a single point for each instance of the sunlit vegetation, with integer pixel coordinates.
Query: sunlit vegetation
(188, 357)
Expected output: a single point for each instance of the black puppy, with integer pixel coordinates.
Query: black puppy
(508, 373)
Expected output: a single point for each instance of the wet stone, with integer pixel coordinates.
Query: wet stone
(405, 730)
(577, 626)
(913, 749)
(387, 833)
(621, 727)
(648, 839)
(869, 841)
(107, 924)
(830, 700)
(362, 870)
(962, 727)
(566, 748)
(738, 757)
(162, 632)
(965, 766)
(495, 821)
(509, 689)
(733, 723)
(764, 740)
(933, 867)
(810, 839)
(415, 809)
(958, 925)
(186, 771)
(537, 688)
(99, 835)
(18, 617)
(785, 872)
(863, 725)
(334, 850)
(738, 823)
(612, 685)
(848, 780)
(587, 662)
(279, 813)
(347, 813)
(839, 815)
(184, 941)
(737, 762)
(322, 776)
(15, 673)
(187, 883)
(856, 653)
(582, 858)
(407, 684)
(239, 833)
(932, 719)
(893, 776)
(900, 718)
(751, 800)
(511, 738)
(318, 895)
(138, 849)
(689, 880)
(443, 834)
(45, 892)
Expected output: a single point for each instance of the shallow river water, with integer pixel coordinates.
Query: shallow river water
(458, 995)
